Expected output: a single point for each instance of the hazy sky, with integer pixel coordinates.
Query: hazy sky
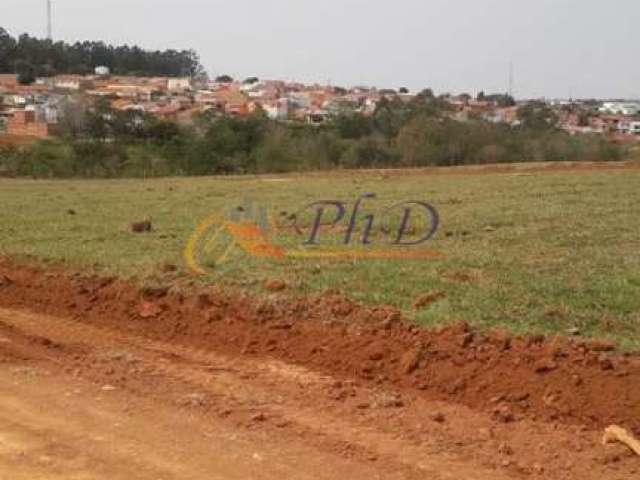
(559, 48)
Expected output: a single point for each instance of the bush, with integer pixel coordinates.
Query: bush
(105, 143)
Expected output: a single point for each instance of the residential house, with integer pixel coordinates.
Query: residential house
(102, 71)
(228, 100)
(25, 123)
(317, 116)
(606, 123)
(620, 108)
(70, 82)
(179, 85)
(508, 115)
(166, 112)
(8, 81)
(629, 127)
(276, 109)
(132, 91)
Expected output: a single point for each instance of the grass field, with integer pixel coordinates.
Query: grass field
(532, 252)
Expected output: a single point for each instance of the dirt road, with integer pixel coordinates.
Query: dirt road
(90, 395)
(53, 427)
(178, 414)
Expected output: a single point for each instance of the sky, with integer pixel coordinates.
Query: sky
(558, 48)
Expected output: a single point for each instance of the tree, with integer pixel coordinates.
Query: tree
(48, 58)
(425, 103)
(224, 79)
(403, 90)
(161, 131)
(537, 116)
(73, 117)
(352, 125)
(426, 94)
(501, 99)
(389, 116)
(369, 152)
(26, 72)
(7, 47)
(250, 80)
(99, 121)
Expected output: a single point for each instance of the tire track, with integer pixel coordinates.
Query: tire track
(282, 393)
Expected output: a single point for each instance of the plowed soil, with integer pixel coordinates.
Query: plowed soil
(102, 380)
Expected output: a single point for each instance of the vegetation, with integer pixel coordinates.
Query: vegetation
(30, 57)
(535, 252)
(97, 141)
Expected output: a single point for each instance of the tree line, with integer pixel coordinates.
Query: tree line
(30, 57)
(97, 141)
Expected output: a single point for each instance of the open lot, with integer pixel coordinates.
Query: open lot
(116, 359)
(532, 249)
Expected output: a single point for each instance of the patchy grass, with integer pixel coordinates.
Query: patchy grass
(534, 252)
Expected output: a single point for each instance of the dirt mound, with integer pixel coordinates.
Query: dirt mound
(556, 379)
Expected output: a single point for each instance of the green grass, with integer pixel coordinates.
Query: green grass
(533, 253)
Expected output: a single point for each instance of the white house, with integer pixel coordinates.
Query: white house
(179, 84)
(631, 127)
(277, 109)
(72, 82)
(102, 71)
(621, 108)
(20, 100)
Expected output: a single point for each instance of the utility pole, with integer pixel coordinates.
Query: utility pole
(49, 21)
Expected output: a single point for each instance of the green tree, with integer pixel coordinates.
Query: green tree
(390, 115)
(537, 116)
(26, 72)
(353, 125)
(47, 58)
(501, 99)
(99, 121)
(224, 79)
(7, 48)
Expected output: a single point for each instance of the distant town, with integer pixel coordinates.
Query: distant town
(33, 110)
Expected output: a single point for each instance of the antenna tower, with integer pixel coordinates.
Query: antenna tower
(49, 21)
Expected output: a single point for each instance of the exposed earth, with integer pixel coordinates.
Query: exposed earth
(103, 381)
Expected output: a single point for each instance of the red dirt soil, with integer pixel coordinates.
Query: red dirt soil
(17, 140)
(539, 389)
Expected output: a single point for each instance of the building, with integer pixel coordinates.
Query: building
(179, 84)
(629, 127)
(102, 71)
(607, 123)
(317, 116)
(276, 109)
(8, 82)
(72, 82)
(166, 112)
(620, 108)
(131, 91)
(508, 115)
(229, 101)
(25, 123)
